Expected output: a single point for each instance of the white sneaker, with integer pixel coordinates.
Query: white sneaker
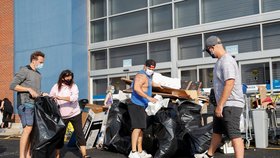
(144, 154)
(203, 155)
(134, 155)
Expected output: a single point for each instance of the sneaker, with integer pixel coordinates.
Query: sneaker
(134, 155)
(144, 154)
(203, 155)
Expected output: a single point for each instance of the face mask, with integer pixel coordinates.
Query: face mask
(149, 72)
(68, 82)
(40, 66)
(211, 53)
(112, 90)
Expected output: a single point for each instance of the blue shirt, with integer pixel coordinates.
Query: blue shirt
(136, 98)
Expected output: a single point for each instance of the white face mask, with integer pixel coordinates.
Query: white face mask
(40, 66)
(149, 72)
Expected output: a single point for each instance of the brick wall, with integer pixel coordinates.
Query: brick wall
(6, 48)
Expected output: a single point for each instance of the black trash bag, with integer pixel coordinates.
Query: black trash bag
(48, 128)
(197, 140)
(189, 115)
(150, 142)
(165, 132)
(118, 130)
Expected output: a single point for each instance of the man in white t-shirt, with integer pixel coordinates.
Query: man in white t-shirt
(229, 97)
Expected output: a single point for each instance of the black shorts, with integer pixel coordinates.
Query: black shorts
(229, 124)
(138, 116)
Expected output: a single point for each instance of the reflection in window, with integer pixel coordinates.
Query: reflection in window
(98, 60)
(255, 73)
(271, 36)
(161, 18)
(118, 83)
(97, 9)
(270, 5)
(119, 6)
(206, 77)
(276, 74)
(98, 31)
(186, 13)
(160, 51)
(221, 10)
(99, 87)
(167, 74)
(155, 2)
(247, 39)
(121, 26)
(187, 75)
(137, 53)
(190, 47)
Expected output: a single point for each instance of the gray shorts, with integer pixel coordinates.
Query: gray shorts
(26, 114)
(229, 124)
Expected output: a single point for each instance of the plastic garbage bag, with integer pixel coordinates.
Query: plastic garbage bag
(48, 128)
(197, 140)
(165, 132)
(189, 115)
(117, 134)
(153, 108)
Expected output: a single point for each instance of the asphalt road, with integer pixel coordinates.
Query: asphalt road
(9, 148)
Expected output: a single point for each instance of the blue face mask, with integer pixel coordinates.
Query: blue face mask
(40, 66)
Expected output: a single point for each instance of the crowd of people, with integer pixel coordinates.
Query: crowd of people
(227, 87)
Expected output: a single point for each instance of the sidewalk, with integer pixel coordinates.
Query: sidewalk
(14, 131)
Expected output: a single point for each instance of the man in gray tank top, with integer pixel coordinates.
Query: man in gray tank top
(229, 97)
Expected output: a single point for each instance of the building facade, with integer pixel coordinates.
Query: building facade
(124, 33)
(105, 40)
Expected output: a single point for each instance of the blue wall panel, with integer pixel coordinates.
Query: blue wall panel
(59, 29)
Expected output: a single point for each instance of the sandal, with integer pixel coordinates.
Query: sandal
(86, 156)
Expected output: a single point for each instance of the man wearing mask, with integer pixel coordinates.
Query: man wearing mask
(229, 98)
(27, 83)
(141, 95)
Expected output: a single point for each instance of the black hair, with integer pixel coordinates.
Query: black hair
(63, 74)
(150, 62)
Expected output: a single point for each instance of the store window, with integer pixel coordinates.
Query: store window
(118, 83)
(119, 6)
(270, 5)
(276, 75)
(186, 13)
(190, 47)
(253, 74)
(160, 51)
(206, 77)
(156, 2)
(136, 53)
(98, 60)
(271, 36)
(97, 9)
(216, 10)
(188, 75)
(243, 39)
(99, 87)
(121, 26)
(161, 18)
(98, 31)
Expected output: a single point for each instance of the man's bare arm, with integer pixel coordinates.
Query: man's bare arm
(139, 82)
